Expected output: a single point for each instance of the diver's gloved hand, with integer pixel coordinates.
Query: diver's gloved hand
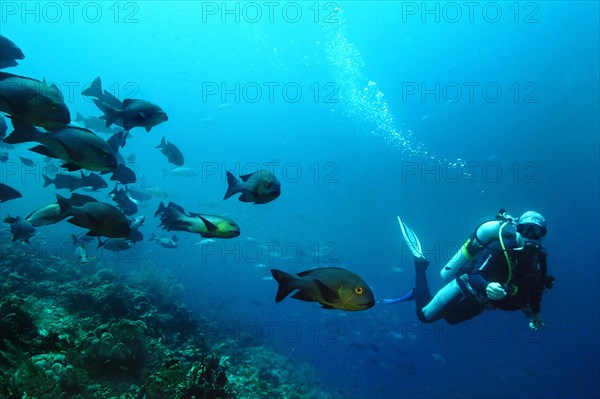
(536, 323)
(495, 292)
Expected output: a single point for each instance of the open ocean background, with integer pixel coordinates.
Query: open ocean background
(355, 139)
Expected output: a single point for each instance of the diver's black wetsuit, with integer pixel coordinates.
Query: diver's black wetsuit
(528, 279)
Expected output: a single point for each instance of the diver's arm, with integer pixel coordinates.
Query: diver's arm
(533, 310)
(482, 274)
(479, 276)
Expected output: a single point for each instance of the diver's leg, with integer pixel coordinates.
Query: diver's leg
(443, 302)
(422, 294)
(462, 310)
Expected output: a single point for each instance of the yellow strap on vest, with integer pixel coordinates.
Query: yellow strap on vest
(465, 251)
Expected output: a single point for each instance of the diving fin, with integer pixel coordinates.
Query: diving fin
(411, 239)
(409, 296)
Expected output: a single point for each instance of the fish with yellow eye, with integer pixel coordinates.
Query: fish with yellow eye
(332, 287)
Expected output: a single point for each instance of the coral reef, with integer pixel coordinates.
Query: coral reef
(69, 331)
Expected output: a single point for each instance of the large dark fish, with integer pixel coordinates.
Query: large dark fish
(259, 187)
(101, 219)
(134, 113)
(79, 148)
(33, 102)
(171, 151)
(9, 53)
(8, 193)
(173, 217)
(332, 287)
(20, 228)
(123, 175)
(127, 114)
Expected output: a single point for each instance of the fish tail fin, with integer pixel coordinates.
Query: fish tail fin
(160, 210)
(287, 283)
(111, 114)
(63, 203)
(163, 143)
(47, 181)
(9, 219)
(232, 186)
(100, 243)
(95, 89)
(23, 132)
(170, 217)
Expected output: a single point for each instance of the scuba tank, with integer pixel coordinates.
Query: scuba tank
(464, 259)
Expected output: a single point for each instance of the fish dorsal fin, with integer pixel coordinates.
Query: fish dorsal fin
(246, 177)
(327, 293)
(304, 274)
(127, 102)
(58, 92)
(163, 143)
(42, 150)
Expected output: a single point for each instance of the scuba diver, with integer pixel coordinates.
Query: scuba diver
(501, 266)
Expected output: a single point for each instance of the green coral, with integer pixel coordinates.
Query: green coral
(73, 332)
(117, 349)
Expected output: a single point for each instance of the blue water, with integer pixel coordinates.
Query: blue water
(351, 155)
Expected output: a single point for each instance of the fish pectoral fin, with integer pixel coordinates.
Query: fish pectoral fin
(74, 155)
(42, 150)
(247, 196)
(327, 293)
(209, 226)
